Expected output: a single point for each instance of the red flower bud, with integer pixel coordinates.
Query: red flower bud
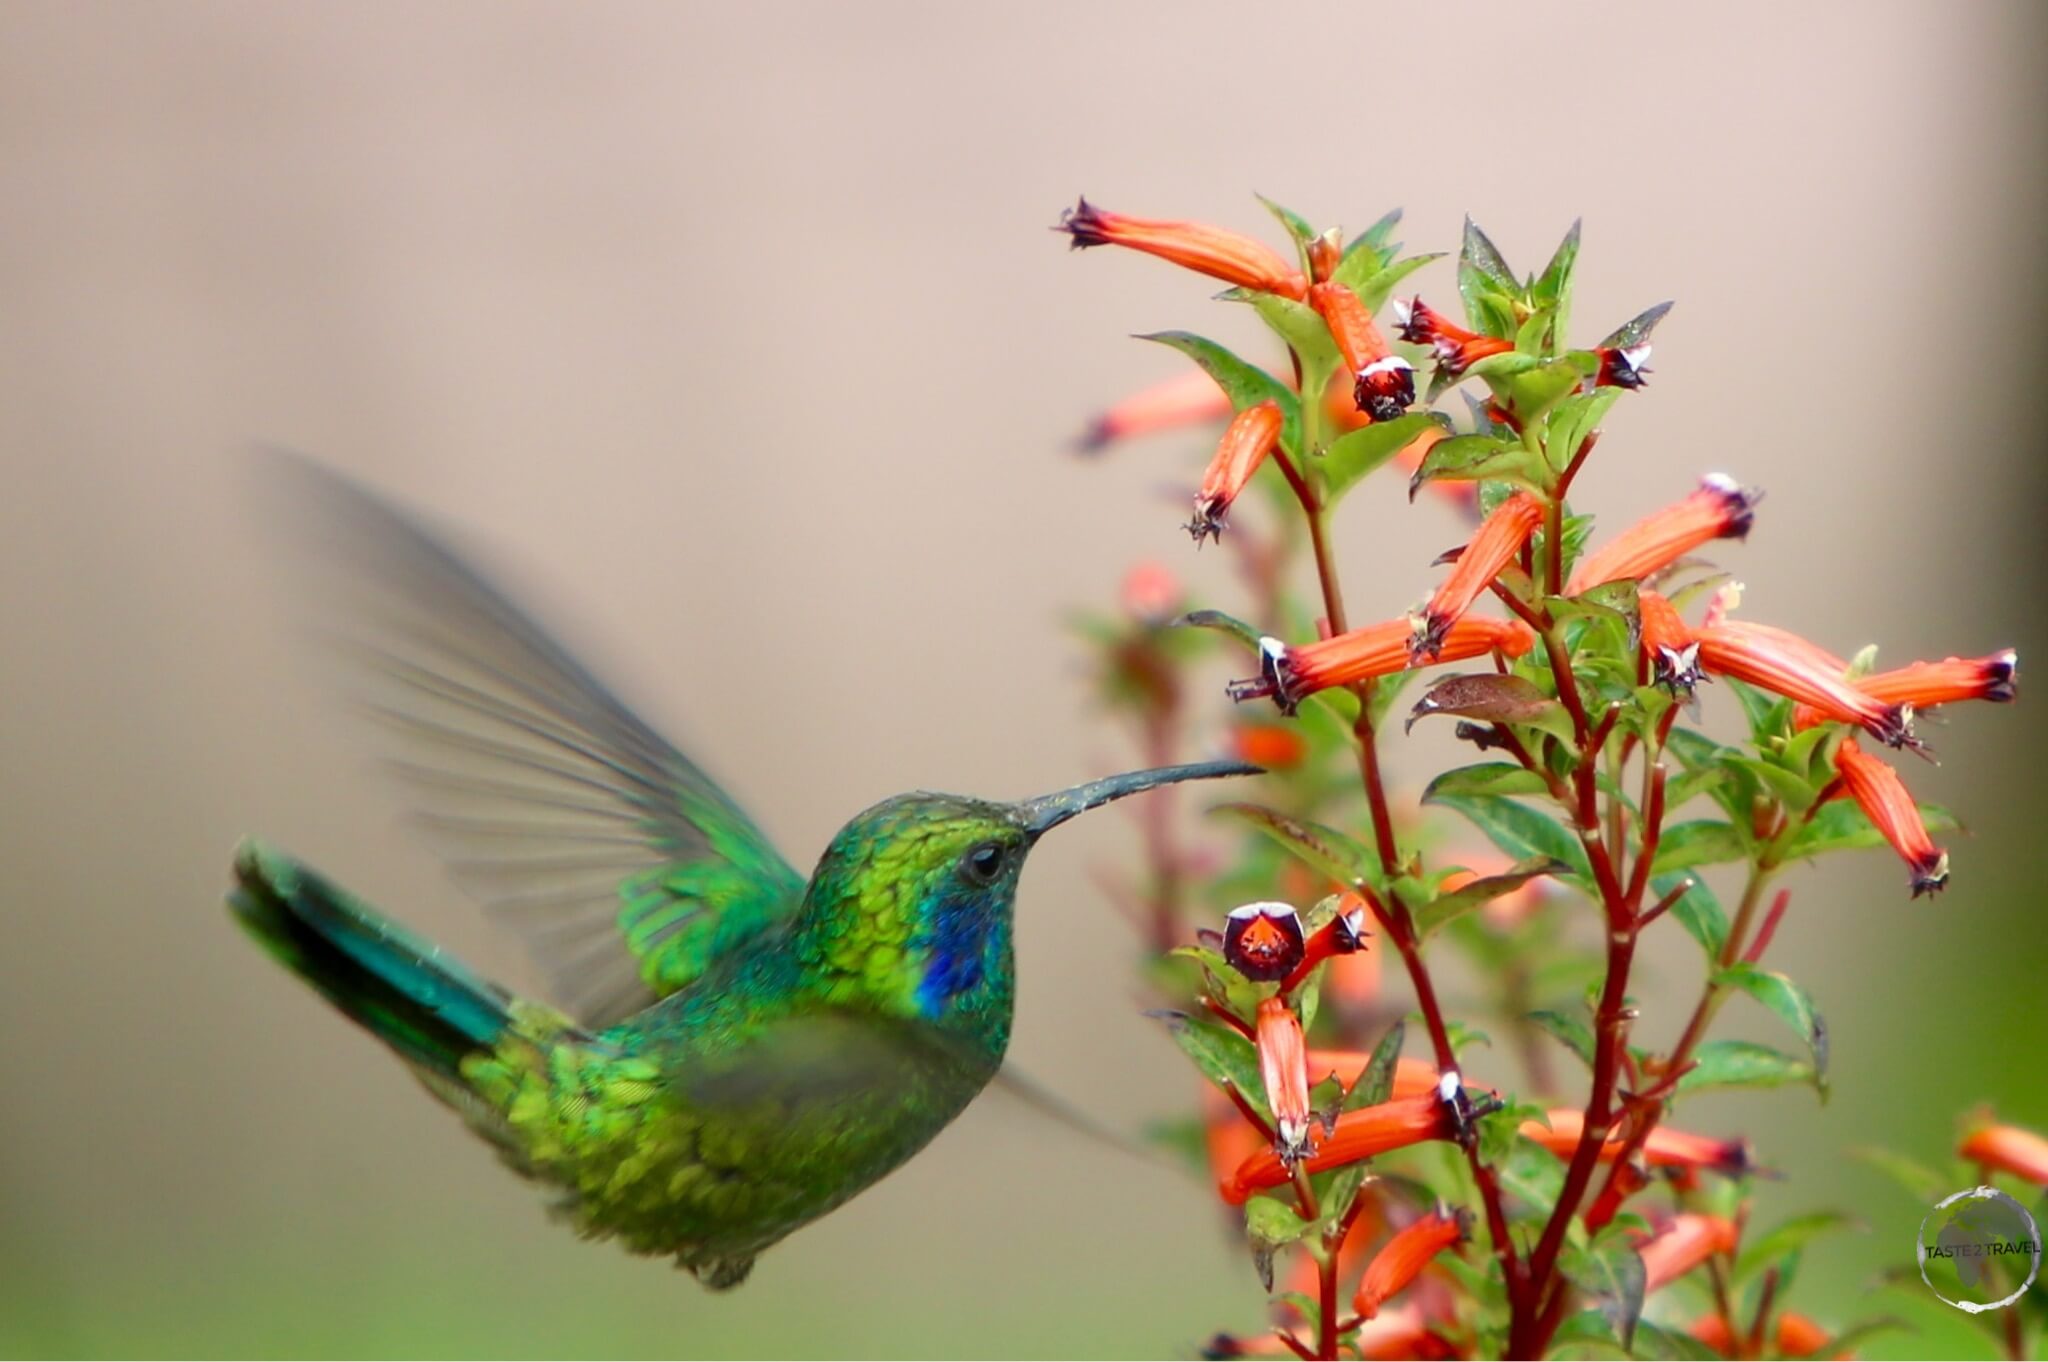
(1682, 1245)
(1251, 435)
(1290, 674)
(1225, 255)
(1190, 398)
(1664, 1147)
(1455, 348)
(1885, 801)
(1622, 366)
(1401, 1260)
(1493, 546)
(1343, 934)
(1718, 510)
(2009, 1149)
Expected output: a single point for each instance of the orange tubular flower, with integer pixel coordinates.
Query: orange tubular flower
(1682, 1245)
(1220, 254)
(1798, 1336)
(1404, 1256)
(1186, 399)
(1290, 674)
(1150, 593)
(1787, 665)
(1360, 1134)
(1227, 1137)
(1665, 1148)
(1926, 684)
(1268, 745)
(1283, 1066)
(1251, 435)
(1383, 382)
(1494, 545)
(1718, 510)
(1885, 801)
(1456, 349)
(2009, 1149)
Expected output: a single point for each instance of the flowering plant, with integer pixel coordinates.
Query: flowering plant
(1575, 666)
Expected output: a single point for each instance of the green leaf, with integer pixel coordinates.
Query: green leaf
(1500, 1131)
(1761, 1251)
(1296, 225)
(1386, 691)
(1570, 1030)
(1224, 1057)
(1520, 831)
(1482, 272)
(1553, 288)
(1791, 1003)
(1375, 1082)
(1533, 1174)
(1356, 453)
(1569, 423)
(1469, 458)
(1742, 1064)
(1244, 383)
(1494, 697)
(1300, 326)
(1700, 842)
(1794, 791)
(1636, 329)
(1699, 912)
(1367, 252)
(1586, 1330)
(1533, 392)
(1374, 290)
(1270, 1225)
(1322, 848)
(1920, 1182)
(1221, 623)
(1655, 1341)
(1768, 714)
(1446, 908)
(1612, 1274)
(1485, 778)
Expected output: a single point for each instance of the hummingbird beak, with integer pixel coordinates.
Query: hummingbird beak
(1049, 811)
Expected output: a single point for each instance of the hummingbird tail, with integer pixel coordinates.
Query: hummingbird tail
(401, 988)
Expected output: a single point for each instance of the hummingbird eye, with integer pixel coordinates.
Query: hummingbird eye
(983, 864)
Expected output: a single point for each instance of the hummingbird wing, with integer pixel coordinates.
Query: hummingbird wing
(625, 867)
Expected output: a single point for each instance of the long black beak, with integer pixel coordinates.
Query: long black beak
(1049, 811)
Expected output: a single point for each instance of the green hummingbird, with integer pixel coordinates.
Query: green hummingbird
(739, 1050)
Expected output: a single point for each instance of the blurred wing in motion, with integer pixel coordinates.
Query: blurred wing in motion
(627, 870)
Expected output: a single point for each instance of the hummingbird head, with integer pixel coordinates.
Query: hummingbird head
(914, 896)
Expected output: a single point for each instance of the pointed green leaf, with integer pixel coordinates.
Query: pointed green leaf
(1699, 912)
(1794, 791)
(1449, 907)
(1790, 1002)
(1486, 284)
(1636, 329)
(1520, 831)
(1700, 842)
(1570, 1030)
(1368, 251)
(1742, 1064)
(1469, 458)
(1768, 714)
(1375, 1082)
(1270, 1225)
(1485, 778)
(1244, 383)
(1375, 289)
(1324, 849)
(1296, 225)
(1612, 1274)
(1356, 453)
(1224, 1057)
(1567, 424)
(1301, 327)
(1534, 391)
(1760, 1251)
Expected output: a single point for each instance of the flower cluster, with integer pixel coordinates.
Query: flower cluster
(1572, 663)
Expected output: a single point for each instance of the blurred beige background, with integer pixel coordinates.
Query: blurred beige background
(737, 332)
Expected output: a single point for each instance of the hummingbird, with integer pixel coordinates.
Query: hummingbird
(733, 1050)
